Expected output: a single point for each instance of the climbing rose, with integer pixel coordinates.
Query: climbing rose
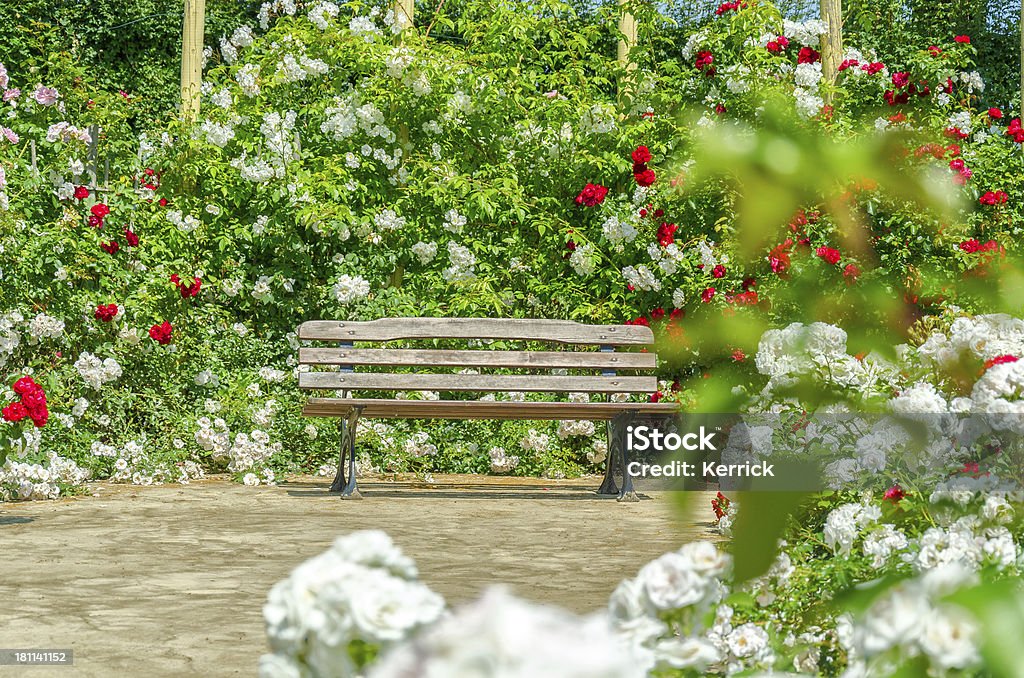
(703, 59)
(995, 114)
(161, 333)
(807, 55)
(192, 289)
(642, 154)
(894, 494)
(851, 273)
(131, 238)
(106, 312)
(100, 210)
(900, 79)
(993, 198)
(81, 193)
(829, 254)
(963, 39)
(646, 177)
(707, 295)
(718, 271)
(592, 195)
(111, 247)
(15, 412)
(1000, 360)
(666, 234)
(24, 385)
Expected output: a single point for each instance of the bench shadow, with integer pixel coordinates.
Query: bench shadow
(15, 520)
(460, 491)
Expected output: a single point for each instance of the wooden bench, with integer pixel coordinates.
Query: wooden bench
(551, 371)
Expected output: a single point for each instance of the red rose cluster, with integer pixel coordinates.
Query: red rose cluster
(106, 312)
(161, 333)
(808, 55)
(703, 62)
(735, 6)
(99, 212)
(192, 288)
(1014, 131)
(778, 44)
(592, 195)
(1004, 359)
(720, 504)
(993, 198)
(641, 172)
(829, 254)
(31, 403)
(973, 246)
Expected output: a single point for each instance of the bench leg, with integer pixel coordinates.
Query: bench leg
(348, 442)
(608, 486)
(338, 484)
(627, 493)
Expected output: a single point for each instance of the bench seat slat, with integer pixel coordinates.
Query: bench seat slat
(379, 381)
(400, 357)
(514, 329)
(478, 409)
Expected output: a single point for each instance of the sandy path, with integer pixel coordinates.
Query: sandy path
(170, 580)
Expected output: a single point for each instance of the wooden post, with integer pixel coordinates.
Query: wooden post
(627, 27)
(831, 44)
(192, 35)
(404, 12)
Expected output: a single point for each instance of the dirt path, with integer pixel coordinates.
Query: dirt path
(170, 580)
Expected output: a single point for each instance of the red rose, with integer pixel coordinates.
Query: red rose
(34, 400)
(592, 195)
(851, 273)
(703, 59)
(95, 221)
(658, 313)
(192, 289)
(718, 271)
(900, 79)
(131, 238)
(81, 193)
(645, 178)
(707, 295)
(963, 39)
(848, 63)
(106, 312)
(666, 234)
(993, 198)
(100, 210)
(995, 114)
(970, 246)
(161, 333)
(807, 55)
(894, 494)
(162, 202)
(1001, 360)
(15, 412)
(111, 247)
(829, 254)
(873, 67)
(656, 396)
(642, 154)
(25, 385)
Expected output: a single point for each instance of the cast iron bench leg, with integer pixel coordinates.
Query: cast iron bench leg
(608, 486)
(627, 493)
(348, 443)
(339, 478)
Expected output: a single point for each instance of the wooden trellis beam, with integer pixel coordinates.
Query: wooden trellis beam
(192, 36)
(831, 44)
(404, 10)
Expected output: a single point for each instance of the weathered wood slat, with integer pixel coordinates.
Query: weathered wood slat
(478, 409)
(453, 358)
(373, 381)
(521, 329)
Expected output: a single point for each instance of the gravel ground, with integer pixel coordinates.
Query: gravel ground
(170, 580)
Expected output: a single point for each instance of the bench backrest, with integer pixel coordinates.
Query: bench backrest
(600, 369)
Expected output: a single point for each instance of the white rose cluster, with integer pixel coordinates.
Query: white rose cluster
(97, 372)
(362, 590)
